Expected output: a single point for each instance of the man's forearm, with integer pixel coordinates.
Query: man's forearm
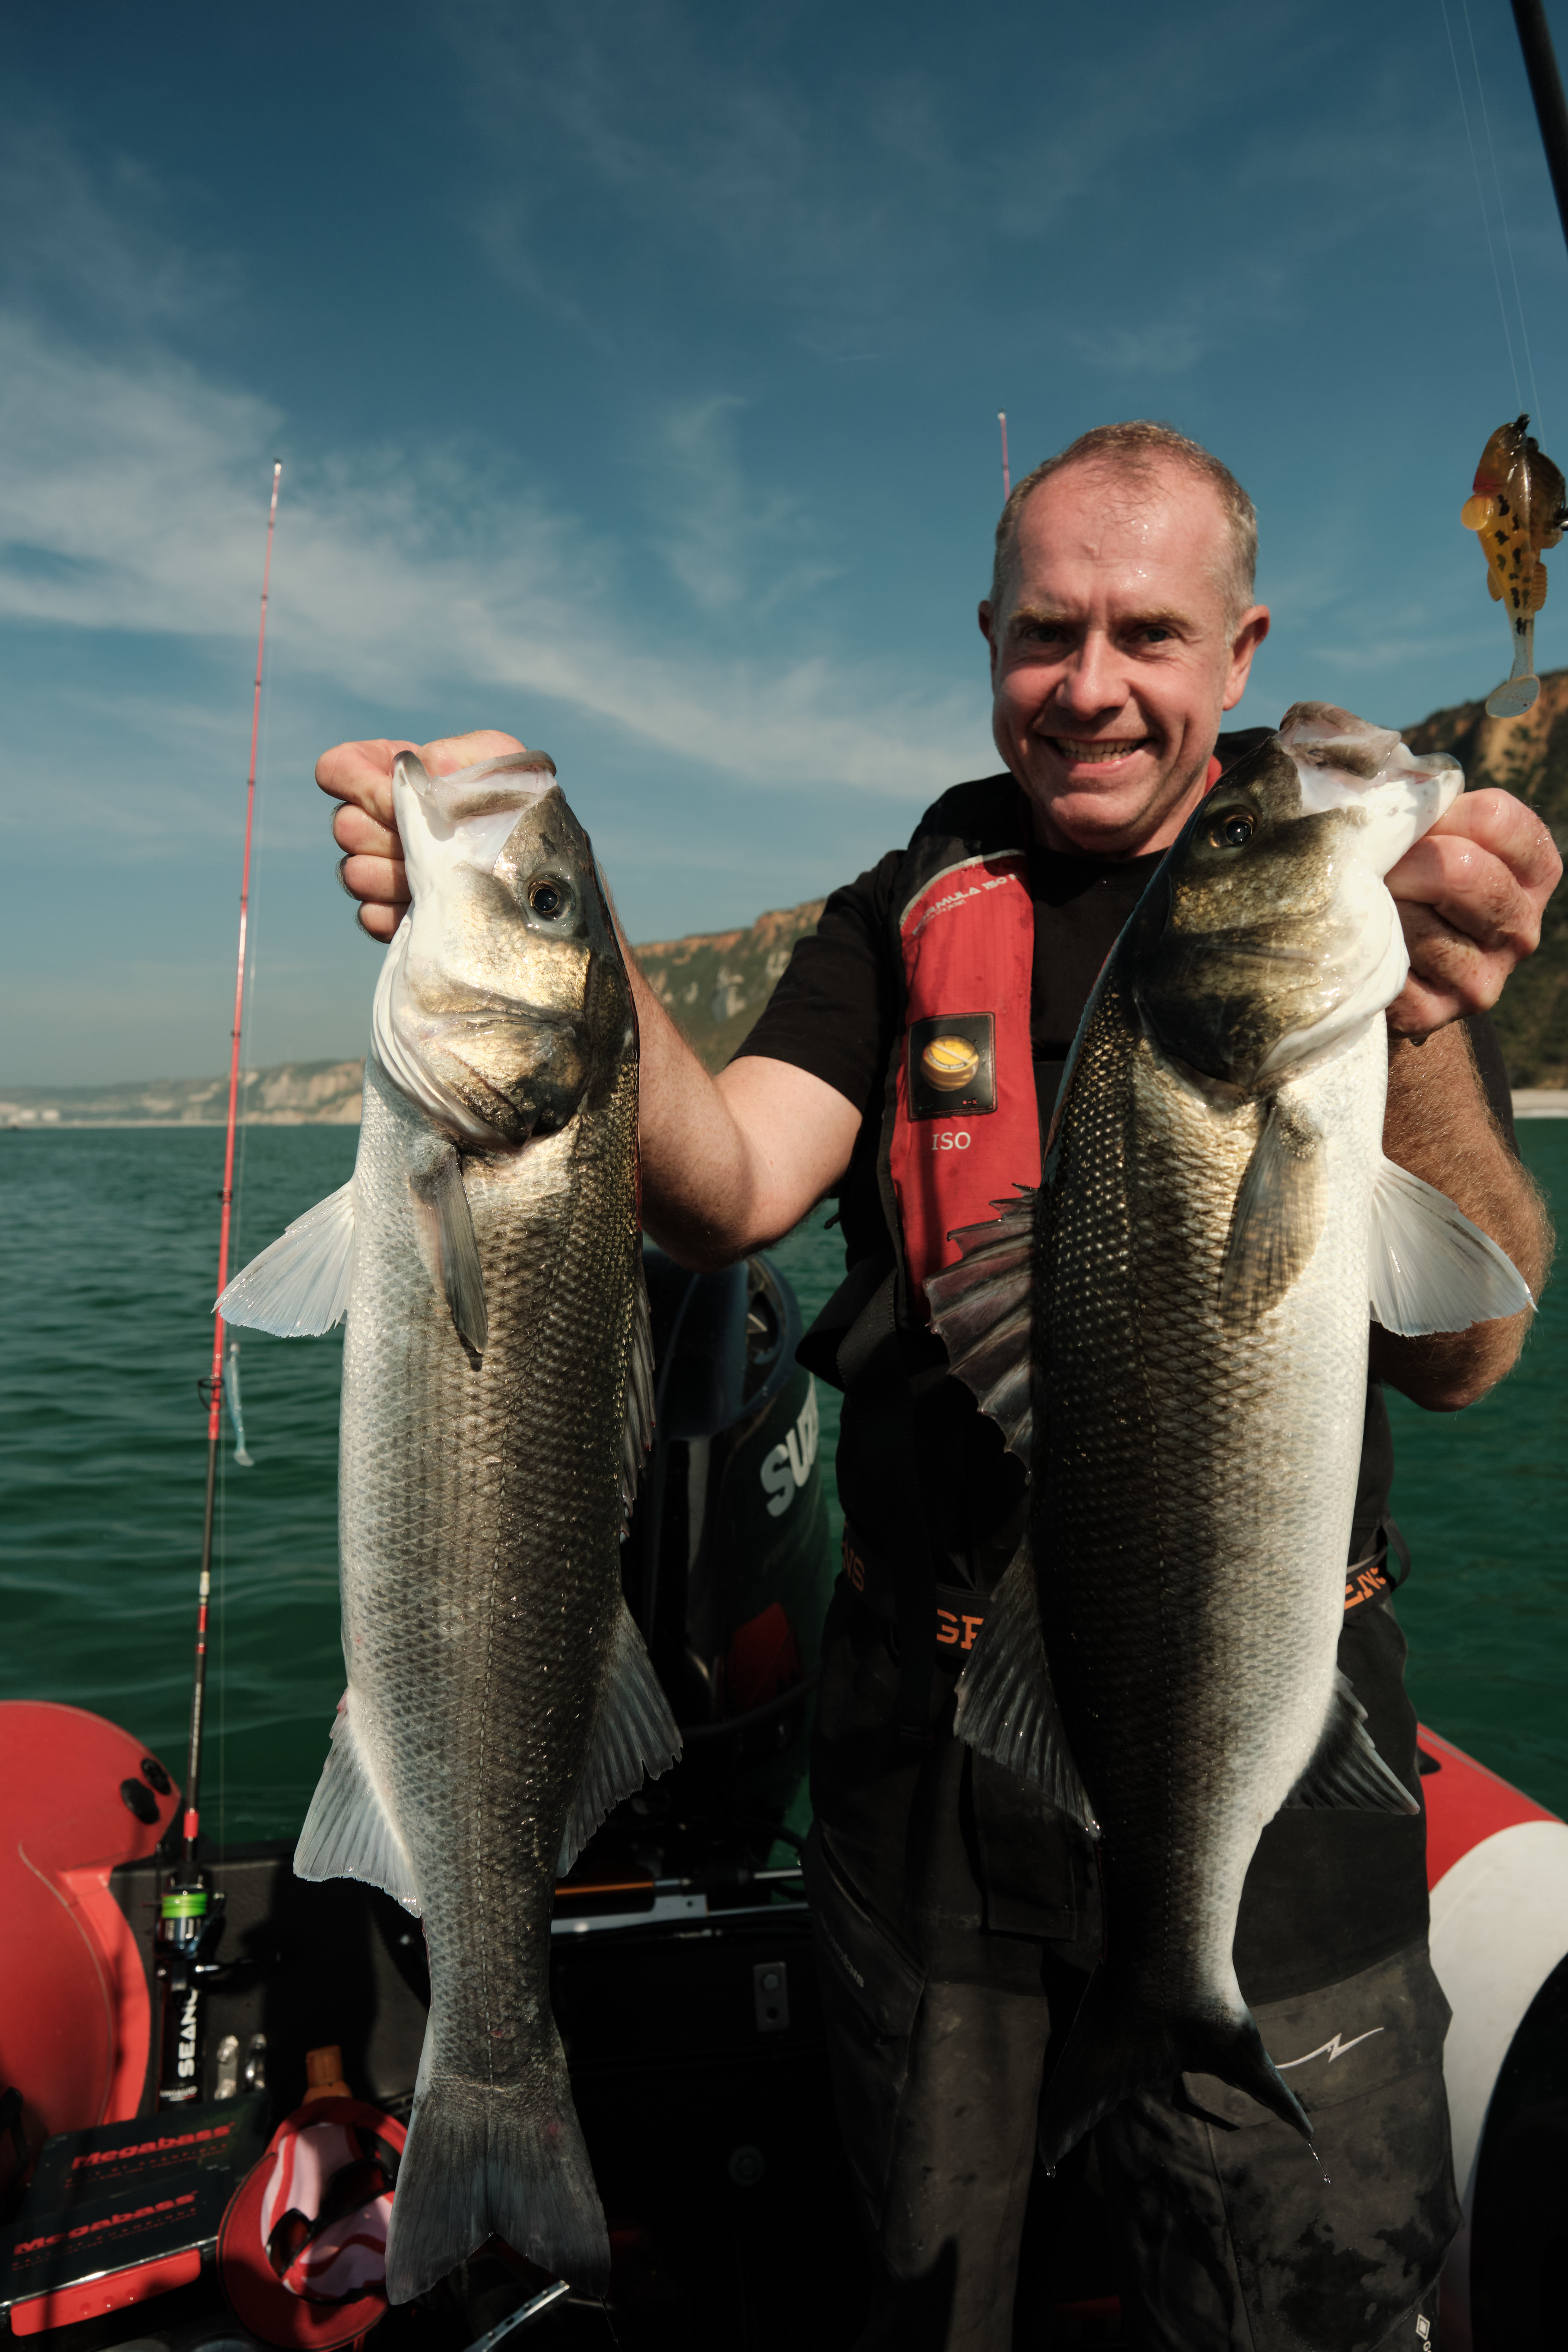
(1440, 1127)
(733, 1162)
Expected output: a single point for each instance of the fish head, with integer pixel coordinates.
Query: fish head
(1268, 937)
(504, 1001)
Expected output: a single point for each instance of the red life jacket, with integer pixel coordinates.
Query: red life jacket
(965, 1125)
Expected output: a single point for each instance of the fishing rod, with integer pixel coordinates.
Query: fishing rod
(190, 1915)
(1546, 90)
(1007, 477)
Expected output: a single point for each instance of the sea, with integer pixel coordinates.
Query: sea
(108, 1255)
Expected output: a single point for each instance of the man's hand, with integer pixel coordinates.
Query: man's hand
(360, 775)
(1470, 895)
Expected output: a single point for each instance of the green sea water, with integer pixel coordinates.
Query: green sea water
(108, 1249)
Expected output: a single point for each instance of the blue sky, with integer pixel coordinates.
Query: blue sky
(635, 371)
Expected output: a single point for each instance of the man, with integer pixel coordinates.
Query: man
(957, 1914)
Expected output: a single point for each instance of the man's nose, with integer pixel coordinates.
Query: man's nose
(1092, 681)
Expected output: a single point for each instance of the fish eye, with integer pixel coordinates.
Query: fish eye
(548, 898)
(1232, 831)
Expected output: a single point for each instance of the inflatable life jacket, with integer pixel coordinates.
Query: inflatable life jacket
(963, 1128)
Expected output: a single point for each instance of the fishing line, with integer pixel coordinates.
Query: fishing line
(1480, 199)
(1502, 212)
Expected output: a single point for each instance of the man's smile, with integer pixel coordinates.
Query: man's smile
(1075, 749)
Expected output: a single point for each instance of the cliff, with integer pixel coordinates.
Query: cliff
(714, 985)
(292, 1093)
(1528, 757)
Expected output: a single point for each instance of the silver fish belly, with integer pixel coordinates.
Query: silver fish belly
(496, 1397)
(1215, 1219)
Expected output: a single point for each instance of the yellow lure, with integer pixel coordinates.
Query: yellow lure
(1518, 505)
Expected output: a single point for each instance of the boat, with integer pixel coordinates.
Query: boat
(683, 1974)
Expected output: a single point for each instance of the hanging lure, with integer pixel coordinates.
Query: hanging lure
(1518, 505)
(236, 1412)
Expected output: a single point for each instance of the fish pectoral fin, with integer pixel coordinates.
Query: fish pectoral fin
(1278, 1218)
(1007, 1708)
(982, 1312)
(299, 1287)
(1346, 1769)
(636, 1421)
(444, 1224)
(633, 1735)
(348, 1831)
(1432, 1269)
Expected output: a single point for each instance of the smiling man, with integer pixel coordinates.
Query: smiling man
(907, 1063)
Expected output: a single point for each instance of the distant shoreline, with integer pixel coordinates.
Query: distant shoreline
(1529, 1102)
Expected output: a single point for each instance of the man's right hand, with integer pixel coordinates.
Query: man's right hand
(360, 775)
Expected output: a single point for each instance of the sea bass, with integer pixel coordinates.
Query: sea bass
(1519, 504)
(1173, 1331)
(497, 1400)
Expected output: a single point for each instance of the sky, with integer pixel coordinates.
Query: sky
(635, 371)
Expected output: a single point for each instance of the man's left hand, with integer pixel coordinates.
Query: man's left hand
(1470, 895)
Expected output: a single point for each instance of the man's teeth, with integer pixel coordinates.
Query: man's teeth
(1076, 750)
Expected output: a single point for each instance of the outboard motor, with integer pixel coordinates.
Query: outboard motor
(729, 1565)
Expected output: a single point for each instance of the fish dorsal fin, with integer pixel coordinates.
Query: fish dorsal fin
(634, 1734)
(444, 1227)
(348, 1831)
(636, 1421)
(1279, 1217)
(982, 1312)
(1346, 1769)
(299, 1287)
(1432, 1270)
(1007, 1708)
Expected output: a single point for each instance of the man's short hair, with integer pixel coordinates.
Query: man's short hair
(1136, 450)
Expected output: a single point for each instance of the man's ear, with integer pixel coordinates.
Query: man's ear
(1249, 635)
(985, 619)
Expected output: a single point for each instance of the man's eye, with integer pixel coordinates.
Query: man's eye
(1233, 831)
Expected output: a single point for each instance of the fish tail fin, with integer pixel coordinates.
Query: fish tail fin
(1118, 2047)
(484, 2160)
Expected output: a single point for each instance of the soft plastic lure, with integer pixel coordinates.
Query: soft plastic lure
(1518, 505)
(236, 1410)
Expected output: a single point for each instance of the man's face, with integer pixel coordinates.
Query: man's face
(1115, 654)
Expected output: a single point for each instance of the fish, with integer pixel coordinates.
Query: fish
(497, 1402)
(1172, 1330)
(1519, 504)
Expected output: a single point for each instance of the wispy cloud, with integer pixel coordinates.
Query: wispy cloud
(129, 491)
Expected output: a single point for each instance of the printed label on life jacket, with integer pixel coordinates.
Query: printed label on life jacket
(951, 1066)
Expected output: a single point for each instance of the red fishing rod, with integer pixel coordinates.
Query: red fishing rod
(190, 1914)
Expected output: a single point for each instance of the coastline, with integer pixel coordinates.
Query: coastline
(1529, 1102)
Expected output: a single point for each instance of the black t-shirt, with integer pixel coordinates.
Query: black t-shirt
(835, 1013)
